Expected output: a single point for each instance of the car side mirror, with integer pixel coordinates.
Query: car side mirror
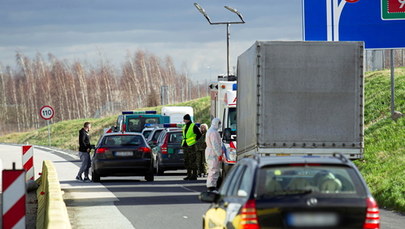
(227, 135)
(209, 197)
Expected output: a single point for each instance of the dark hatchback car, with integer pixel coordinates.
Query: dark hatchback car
(122, 154)
(167, 153)
(292, 192)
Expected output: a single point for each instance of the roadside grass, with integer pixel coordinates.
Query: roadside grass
(383, 165)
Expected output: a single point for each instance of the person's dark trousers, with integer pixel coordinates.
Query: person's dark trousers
(200, 158)
(85, 166)
(190, 162)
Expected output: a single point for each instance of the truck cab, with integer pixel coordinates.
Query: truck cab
(223, 106)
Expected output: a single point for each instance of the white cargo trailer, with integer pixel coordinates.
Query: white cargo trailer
(176, 113)
(300, 98)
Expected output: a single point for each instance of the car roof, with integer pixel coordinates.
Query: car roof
(142, 115)
(282, 160)
(122, 133)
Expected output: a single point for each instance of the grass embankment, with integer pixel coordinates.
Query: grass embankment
(383, 166)
(64, 135)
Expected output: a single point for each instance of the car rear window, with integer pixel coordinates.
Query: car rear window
(156, 135)
(320, 179)
(176, 137)
(123, 140)
(146, 133)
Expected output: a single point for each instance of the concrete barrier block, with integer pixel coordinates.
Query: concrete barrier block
(52, 212)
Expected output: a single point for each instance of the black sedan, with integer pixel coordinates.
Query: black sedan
(122, 154)
(292, 192)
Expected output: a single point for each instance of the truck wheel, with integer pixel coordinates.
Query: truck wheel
(95, 177)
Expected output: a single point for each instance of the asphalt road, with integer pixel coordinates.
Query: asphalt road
(131, 202)
(167, 202)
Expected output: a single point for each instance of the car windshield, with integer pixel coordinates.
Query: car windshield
(122, 140)
(302, 180)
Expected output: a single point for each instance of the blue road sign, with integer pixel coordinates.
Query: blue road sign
(379, 23)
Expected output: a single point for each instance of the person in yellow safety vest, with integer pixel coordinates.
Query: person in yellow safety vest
(191, 133)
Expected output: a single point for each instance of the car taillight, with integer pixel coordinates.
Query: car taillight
(164, 146)
(124, 127)
(101, 150)
(249, 216)
(372, 215)
(109, 130)
(145, 149)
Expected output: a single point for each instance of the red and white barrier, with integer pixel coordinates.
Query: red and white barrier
(28, 161)
(13, 199)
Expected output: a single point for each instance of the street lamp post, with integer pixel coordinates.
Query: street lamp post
(202, 11)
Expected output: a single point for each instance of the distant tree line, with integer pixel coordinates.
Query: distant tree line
(76, 90)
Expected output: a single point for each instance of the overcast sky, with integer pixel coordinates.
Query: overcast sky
(95, 30)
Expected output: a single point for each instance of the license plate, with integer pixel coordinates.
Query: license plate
(124, 154)
(312, 219)
(180, 151)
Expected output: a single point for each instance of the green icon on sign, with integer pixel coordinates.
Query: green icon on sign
(393, 9)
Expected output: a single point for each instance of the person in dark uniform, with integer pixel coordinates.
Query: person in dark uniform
(84, 152)
(191, 134)
(200, 148)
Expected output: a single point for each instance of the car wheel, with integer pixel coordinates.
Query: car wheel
(95, 177)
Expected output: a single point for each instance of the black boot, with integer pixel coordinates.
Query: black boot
(188, 175)
(194, 175)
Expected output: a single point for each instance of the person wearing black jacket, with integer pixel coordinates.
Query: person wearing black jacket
(84, 152)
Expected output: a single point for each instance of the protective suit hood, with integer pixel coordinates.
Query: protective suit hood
(215, 123)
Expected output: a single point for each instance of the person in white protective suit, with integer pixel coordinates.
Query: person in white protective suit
(212, 154)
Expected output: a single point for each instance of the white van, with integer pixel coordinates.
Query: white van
(176, 113)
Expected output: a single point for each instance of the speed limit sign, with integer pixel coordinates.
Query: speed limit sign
(46, 112)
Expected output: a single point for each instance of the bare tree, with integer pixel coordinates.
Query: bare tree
(76, 91)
